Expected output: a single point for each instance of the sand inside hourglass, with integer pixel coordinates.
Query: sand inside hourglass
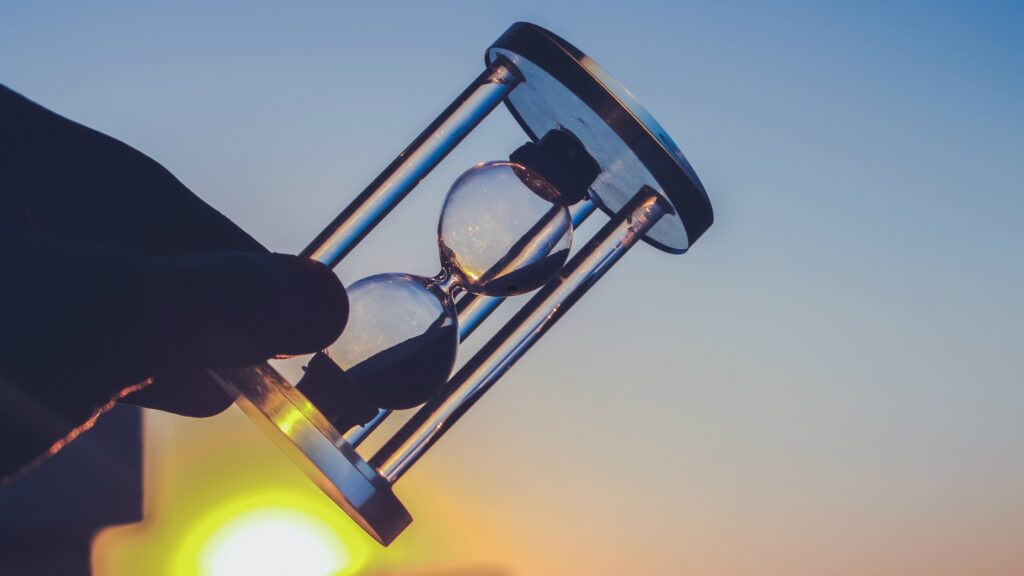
(521, 279)
(394, 377)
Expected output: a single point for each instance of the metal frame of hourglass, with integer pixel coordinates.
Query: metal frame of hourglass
(646, 187)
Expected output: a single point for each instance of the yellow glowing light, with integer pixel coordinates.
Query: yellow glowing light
(287, 422)
(270, 533)
(271, 542)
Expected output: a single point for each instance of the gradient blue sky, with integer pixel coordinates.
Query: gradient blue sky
(831, 381)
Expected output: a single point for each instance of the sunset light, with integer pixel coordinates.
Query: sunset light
(274, 541)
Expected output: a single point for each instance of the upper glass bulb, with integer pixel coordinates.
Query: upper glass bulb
(499, 233)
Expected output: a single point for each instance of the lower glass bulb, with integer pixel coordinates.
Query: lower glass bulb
(400, 342)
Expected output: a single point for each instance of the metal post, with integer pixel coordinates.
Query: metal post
(521, 332)
(415, 162)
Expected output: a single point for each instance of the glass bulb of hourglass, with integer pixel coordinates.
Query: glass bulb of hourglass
(402, 333)
(500, 235)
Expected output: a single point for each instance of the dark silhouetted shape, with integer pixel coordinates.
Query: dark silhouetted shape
(114, 272)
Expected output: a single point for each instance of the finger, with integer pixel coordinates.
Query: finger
(70, 313)
(194, 393)
(73, 183)
(231, 309)
(187, 392)
(77, 184)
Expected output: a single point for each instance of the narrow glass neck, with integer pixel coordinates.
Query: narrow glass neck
(448, 283)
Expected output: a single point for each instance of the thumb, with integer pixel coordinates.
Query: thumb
(232, 308)
(294, 306)
(79, 325)
(115, 317)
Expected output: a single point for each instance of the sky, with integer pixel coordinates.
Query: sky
(829, 382)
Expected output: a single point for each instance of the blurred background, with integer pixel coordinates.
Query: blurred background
(830, 382)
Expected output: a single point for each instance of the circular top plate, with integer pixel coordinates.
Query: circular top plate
(563, 87)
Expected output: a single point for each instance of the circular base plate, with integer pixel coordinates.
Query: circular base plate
(299, 429)
(563, 87)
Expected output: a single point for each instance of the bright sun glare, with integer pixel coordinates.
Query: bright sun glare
(273, 541)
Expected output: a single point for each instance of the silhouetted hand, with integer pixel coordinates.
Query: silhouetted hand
(113, 273)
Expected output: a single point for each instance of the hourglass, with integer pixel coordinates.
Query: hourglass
(506, 228)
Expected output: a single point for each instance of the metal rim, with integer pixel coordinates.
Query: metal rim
(634, 125)
(298, 428)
